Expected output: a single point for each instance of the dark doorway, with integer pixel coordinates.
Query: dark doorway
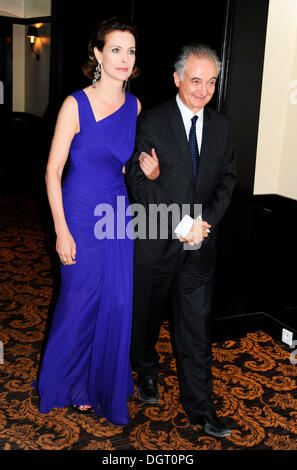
(163, 30)
(6, 64)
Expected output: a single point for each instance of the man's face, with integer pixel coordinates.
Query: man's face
(198, 84)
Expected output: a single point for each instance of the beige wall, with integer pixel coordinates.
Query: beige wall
(37, 74)
(30, 77)
(26, 8)
(276, 164)
(287, 181)
(18, 70)
(35, 8)
(13, 7)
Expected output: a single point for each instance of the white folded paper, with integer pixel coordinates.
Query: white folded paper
(185, 226)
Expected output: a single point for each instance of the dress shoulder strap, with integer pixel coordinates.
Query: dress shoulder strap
(132, 102)
(86, 118)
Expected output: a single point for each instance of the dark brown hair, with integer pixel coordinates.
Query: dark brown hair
(98, 37)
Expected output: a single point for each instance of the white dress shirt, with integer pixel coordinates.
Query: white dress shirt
(187, 115)
(186, 223)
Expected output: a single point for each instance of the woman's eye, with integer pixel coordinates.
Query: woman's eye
(132, 52)
(115, 49)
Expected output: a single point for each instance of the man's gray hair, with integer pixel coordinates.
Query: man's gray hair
(197, 50)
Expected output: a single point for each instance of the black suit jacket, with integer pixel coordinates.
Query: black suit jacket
(162, 128)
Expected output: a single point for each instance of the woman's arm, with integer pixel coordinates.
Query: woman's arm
(66, 127)
(138, 112)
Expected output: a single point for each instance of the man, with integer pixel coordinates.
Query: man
(187, 162)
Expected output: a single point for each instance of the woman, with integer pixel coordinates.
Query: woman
(86, 361)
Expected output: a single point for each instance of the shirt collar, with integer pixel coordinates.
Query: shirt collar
(186, 113)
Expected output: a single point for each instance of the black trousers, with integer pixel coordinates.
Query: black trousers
(190, 293)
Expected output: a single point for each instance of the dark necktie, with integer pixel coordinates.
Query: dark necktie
(194, 146)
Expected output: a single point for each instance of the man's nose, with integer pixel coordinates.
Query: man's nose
(202, 88)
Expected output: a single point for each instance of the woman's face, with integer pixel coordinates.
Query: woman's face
(117, 58)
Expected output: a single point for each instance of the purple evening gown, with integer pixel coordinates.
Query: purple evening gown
(86, 360)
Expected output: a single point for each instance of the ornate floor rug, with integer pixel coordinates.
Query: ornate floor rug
(254, 381)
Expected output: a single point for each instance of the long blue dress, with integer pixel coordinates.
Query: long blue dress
(86, 360)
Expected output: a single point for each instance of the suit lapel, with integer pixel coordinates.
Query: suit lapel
(180, 135)
(206, 148)
(206, 135)
(179, 132)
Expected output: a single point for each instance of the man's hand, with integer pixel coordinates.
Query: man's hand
(197, 232)
(150, 165)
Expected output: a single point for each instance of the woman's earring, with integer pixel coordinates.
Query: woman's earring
(97, 75)
(125, 84)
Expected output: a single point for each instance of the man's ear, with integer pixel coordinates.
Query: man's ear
(176, 79)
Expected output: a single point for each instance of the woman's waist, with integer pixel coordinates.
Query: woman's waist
(94, 190)
(89, 199)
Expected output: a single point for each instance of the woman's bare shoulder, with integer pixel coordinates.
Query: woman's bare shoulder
(138, 106)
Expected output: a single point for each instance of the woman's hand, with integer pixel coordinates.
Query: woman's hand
(66, 248)
(150, 165)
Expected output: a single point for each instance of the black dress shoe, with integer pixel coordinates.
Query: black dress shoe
(211, 424)
(148, 390)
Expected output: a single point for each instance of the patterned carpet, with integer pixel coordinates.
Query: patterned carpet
(254, 382)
